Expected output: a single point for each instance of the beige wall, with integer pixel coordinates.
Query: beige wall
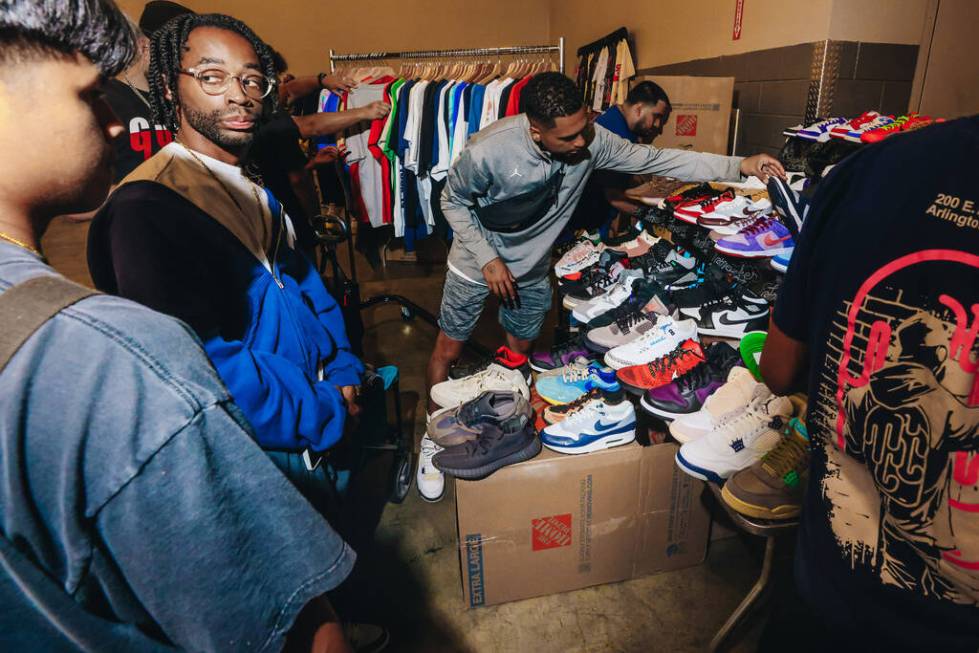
(948, 77)
(667, 31)
(878, 21)
(305, 30)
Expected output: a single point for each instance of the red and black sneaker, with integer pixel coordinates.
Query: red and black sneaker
(698, 192)
(504, 356)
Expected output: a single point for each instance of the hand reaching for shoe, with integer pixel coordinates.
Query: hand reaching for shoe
(762, 166)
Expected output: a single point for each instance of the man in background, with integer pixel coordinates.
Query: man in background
(639, 119)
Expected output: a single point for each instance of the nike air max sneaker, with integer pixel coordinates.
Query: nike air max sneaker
(602, 423)
(766, 238)
(740, 441)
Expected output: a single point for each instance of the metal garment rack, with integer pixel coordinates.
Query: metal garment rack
(456, 53)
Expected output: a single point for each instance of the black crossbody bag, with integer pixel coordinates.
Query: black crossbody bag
(522, 211)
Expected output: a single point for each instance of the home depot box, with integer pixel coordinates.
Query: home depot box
(701, 115)
(558, 523)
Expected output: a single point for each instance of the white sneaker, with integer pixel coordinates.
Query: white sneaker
(616, 295)
(740, 441)
(728, 400)
(429, 480)
(579, 257)
(495, 377)
(659, 342)
(597, 425)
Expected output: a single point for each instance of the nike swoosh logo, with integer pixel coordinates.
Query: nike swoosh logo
(769, 241)
(723, 319)
(605, 427)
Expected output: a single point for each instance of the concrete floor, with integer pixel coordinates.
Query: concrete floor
(413, 572)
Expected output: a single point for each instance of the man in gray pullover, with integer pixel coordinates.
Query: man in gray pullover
(547, 152)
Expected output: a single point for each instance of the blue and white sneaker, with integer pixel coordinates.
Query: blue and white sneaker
(607, 421)
(819, 131)
(781, 262)
(573, 382)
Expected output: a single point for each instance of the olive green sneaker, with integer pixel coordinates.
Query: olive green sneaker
(772, 487)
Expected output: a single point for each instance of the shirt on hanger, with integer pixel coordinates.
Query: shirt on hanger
(624, 71)
(598, 79)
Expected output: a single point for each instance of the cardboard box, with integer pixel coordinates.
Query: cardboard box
(558, 523)
(701, 115)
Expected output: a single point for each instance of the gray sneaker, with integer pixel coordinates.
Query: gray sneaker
(500, 444)
(624, 330)
(453, 426)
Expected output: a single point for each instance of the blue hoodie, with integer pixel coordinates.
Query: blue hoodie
(175, 238)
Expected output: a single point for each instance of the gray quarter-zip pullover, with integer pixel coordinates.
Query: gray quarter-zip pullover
(503, 161)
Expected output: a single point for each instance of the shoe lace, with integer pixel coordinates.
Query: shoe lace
(695, 378)
(603, 282)
(575, 406)
(759, 226)
(586, 412)
(573, 373)
(788, 455)
(665, 364)
(629, 319)
(469, 414)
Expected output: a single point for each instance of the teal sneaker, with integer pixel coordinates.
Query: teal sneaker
(573, 382)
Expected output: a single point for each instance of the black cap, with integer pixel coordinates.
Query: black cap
(158, 12)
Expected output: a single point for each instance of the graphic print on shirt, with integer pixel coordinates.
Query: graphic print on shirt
(898, 398)
(141, 136)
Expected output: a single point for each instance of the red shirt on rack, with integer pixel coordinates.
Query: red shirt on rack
(513, 104)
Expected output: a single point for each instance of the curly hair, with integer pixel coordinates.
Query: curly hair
(31, 30)
(548, 96)
(167, 47)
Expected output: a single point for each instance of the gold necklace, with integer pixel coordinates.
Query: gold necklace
(137, 93)
(20, 243)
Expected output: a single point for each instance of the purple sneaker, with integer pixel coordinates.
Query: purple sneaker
(766, 238)
(559, 356)
(688, 392)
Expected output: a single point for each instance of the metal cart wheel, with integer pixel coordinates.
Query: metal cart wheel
(402, 479)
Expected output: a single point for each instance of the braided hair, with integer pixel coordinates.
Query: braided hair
(167, 47)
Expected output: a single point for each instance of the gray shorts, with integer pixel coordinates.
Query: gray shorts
(463, 300)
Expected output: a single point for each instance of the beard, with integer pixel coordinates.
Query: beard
(208, 125)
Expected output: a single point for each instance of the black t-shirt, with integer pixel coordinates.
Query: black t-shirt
(275, 152)
(883, 287)
(143, 138)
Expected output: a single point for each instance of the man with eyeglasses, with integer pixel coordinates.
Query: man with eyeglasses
(188, 234)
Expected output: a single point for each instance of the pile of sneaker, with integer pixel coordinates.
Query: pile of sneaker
(868, 127)
(736, 427)
(473, 396)
(484, 434)
(689, 391)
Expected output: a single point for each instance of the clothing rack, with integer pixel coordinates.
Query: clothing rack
(456, 53)
(608, 39)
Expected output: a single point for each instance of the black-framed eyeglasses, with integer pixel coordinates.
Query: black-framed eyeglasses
(215, 81)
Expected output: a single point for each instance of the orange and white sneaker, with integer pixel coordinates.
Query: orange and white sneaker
(637, 379)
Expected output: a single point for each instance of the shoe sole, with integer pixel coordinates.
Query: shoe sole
(598, 445)
(538, 368)
(783, 204)
(697, 472)
(720, 333)
(529, 451)
(778, 267)
(595, 347)
(759, 512)
(427, 499)
(770, 253)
